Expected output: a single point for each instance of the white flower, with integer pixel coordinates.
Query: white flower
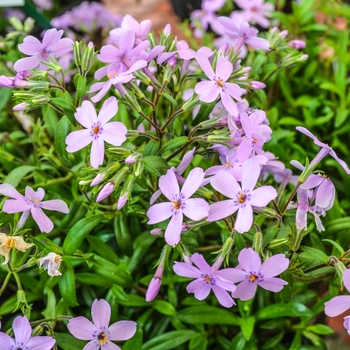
(51, 263)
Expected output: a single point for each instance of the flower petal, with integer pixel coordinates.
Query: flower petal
(168, 185)
(346, 279)
(10, 191)
(81, 328)
(86, 114)
(232, 275)
(204, 63)
(249, 260)
(221, 210)
(26, 63)
(100, 313)
(41, 343)
(159, 212)
(6, 342)
(250, 174)
(55, 204)
(226, 184)
(97, 152)
(186, 270)
(272, 284)
(192, 182)
(196, 209)
(15, 206)
(206, 91)
(337, 305)
(244, 219)
(200, 289)
(228, 103)
(200, 262)
(223, 68)
(114, 133)
(108, 110)
(21, 329)
(31, 46)
(77, 140)
(122, 330)
(223, 297)
(44, 223)
(31, 194)
(262, 196)
(173, 230)
(274, 266)
(245, 290)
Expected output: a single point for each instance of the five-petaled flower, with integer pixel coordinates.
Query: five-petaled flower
(31, 203)
(9, 242)
(97, 130)
(23, 340)
(99, 332)
(206, 279)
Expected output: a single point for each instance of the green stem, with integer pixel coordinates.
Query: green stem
(18, 281)
(144, 116)
(4, 285)
(290, 198)
(170, 119)
(54, 181)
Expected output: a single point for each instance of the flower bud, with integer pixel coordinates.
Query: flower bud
(297, 44)
(16, 23)
(88, 58)
(192, 102)
(38, 330)
(153, 289)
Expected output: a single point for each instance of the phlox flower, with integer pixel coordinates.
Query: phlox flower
(9, 242)
(180, 203)
(51, 262)
(251, 273)
(51, 46)
(337, 305)
(31, 203)
(97, 130)
(206, 279)
(99, 332)
(256, 11)
(23, 340)
(208, 91)
(243, 197)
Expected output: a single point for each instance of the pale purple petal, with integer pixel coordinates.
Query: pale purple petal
(31, 194)
(174, 228)
(23, 218)
(245, 290)
(97, 152)
(108, 110)
(203, 61)
(31, 46)
(155, 196)
(226, 184)
(159, 212)
(262, 196)
(101, 313)
(200, 289)
(340, 161)
(325, 194)
(168, 185)
(244, 149)
(15, 206)
(250, 174)
(104, 89)
(86, 114)
(249, 260)
(6, 342)
(301, 218)
(228, 103)
(234, 90)
(206, 91)
(126, 41)
(193, 182)
(346, 324)
(200, 262)
(44, 223)
(196, 209)
(51, 37)
(106, 190)
(244, 218)
(40, 343)
(346, 279)
(223, 297)
(274, 266)
(77, 140)
(55, 204)
(312, 181)
(185, 162)
(223, 68)
(122, 330)
(64, 46)
(22, 329)
(224, 284)
(81, 328)
(221, 210)
(114, 133)
(93, 345)
(109, 346)
(26, 63)
(186, 270)
(272, 284)
(337, 305)
(231, 274)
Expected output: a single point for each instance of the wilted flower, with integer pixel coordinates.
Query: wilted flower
(51, 263)
(9, 242)
(98, 331)
(23, 340)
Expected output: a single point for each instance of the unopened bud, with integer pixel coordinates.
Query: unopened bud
(88, 58)
(16, 23)
(192, 102)
(38, 330)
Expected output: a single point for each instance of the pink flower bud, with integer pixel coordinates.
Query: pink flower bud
(131, 159)
(257, 85)
(153, 289)
(156, 232)
(105, 192)
(121, 201)
(297, 44)
(167, 29)
(98, 179)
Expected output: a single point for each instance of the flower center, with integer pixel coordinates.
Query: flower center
(57, 259)
(241, 198)
(254, 9)
(220, 83)
(11, 243)
(96, 129)
(102, 338)
(255, 140)
(209, 279)
(176, 204)
(253, 278)
(227, 165)
(34, 200)
(112, 75)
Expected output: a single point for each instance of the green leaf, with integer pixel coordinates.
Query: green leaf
(341, 116)
(310, 253)
(66, 284)
(78, 232)
(204, 112)
(81, 87)
(335, 244)
(122, 235)
(68, 342)
(155, 163)
(171, 99)
(174, 143)
(164, 307)
(103, 249)
(207, 315)
(331, 87)
(170, 340)
(5, 95)
(287, 291)
(320, 329)
(17, 174)
(61, 132)
(92, 279)
(292, 309)
(247, 326)
(151, 148)
(238, 342)
(336, 225)
(135, 343)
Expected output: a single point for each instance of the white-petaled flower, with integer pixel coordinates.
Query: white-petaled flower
(51, 263)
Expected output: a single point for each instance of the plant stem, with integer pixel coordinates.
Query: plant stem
(6, 281)
(290, 198)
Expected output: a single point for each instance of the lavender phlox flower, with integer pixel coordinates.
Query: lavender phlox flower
(208, 91)
(242, 198)
(118, 76)
(23, 340)
(141, 29)
(97, 130)
(297, 44)
(52, 46)
(244, 33)
(256, 135)
(180, 203)
(256, 11)
(338, 305)
(99, 332)
(31, 203)
(51, 262)
(325, 149)
(14, 82)
(206, 279)
(251, 273)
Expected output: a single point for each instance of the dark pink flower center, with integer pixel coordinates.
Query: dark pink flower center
(209, 279)
(96, 129)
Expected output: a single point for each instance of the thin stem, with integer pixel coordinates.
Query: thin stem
(54, 181)
(271, 74)
(55, 79)
(209, 248)
(171, 118)
(58, 109)
(4, 285)
(149, 136)
(179, 150)
(18, 281)
(150, 121)
(290, 198)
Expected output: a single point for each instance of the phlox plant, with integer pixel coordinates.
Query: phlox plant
(159, 193)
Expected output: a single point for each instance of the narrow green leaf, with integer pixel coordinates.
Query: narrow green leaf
(122, 235)
(67, 342)
(81, 87)
(155, 165)
(310, 253)
(92, 279)
(103, 249)
(16, 175)
(135, 343)
(118, 275)
(320, 329)
(247, 326)
(164, 307)
(171, 99)
(287, 291)
(61, 132)
(151, 148)
(169, 340)
(66, 285)
(204, 112)
(78, 232)
(283, 310)
(335, 244)
(174, 144)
